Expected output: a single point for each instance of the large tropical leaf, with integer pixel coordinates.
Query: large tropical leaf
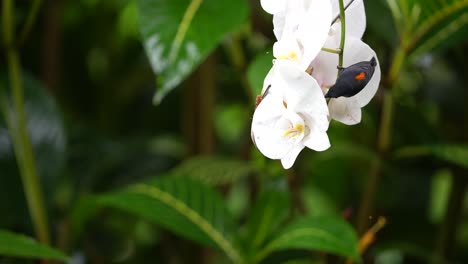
(213, 170)
(179, 34)
(328, 234)
(184, 206)
(430, 24)
(270, 210)
(14, 245)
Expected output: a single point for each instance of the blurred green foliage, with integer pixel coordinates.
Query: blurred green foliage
(89, 71)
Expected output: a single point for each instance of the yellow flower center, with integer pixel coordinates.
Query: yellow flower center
(289, 56)
(294, 131)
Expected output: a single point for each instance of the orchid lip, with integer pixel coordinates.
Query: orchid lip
(297, 130)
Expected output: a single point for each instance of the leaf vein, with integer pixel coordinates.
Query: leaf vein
(192, 215)
(183, 27)
(443, 34)
(436, 18)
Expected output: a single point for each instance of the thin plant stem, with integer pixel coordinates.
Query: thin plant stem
(17, 127)
(237, 56)
(397, 64)
(32, 15)
(334, 51)
(383, 141)
(452, 219)
(383, 144)
(343, 35)
(7, 21)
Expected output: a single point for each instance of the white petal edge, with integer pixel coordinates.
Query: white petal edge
(269, 79)
(304, 95)
(263, 131)
(273, 6)
(283, 48)
(355, 17)
(288, 160)
(317, 141)
(313, 30)
(279, 22)
(324, 68)
(355, 51)
(345, 110)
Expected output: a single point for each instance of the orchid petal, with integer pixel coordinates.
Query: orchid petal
(273, 6)
(348, 110)
(305, 95)
(270, 142)
(317, 20)
(356, 51)
(268, 81)
(287, 48)
(355, 17)
(268, 137)
(336, 6)
(288, 18)
(345, 110)
(317, 141)
(316, 123)
(279, 22)
(324, 68)
(288, 160)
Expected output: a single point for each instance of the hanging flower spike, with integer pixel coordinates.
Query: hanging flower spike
(301, 28)
(346, 109)
(292, 115)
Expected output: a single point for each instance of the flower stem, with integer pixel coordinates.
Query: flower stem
(343, 35)
(334, 51)
(18, 130)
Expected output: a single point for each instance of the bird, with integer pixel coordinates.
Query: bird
(352, 79)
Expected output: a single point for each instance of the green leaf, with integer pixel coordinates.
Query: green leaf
(432, 24)
(456, 154)
(14, 245)
(257, 71)
(231, 123)
(128, 21)
(441, 185)
(213, 170)
(84, 209)
(182, 205)
(317, 202)
(270, 210)
(179, 34)
(328, 234)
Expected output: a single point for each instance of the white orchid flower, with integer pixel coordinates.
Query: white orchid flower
(343, 109)
(301, 28)
(273, 6)
(292, 115)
